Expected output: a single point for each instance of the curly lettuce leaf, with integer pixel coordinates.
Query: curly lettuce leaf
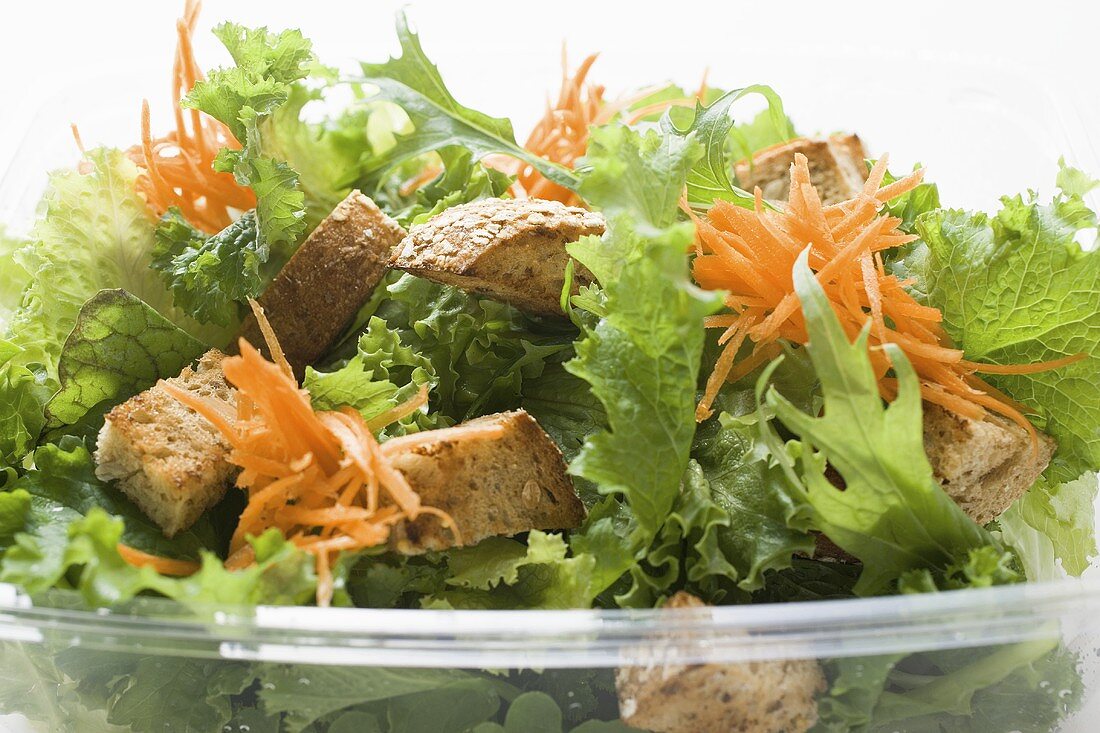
(25, 388)
(118, 347)
(413, 82)
(211, 276)
(642, 358)
(244, 97)
(503, 573)
(480, 351)
(892, 514)
(709, 179)
(95, 234)
(1017, 288)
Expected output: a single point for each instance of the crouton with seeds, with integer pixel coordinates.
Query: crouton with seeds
(497, 475)
(320, 290)
(748, 697)
(984, 465)
(836, 163)
(512, 250)
(169, 460)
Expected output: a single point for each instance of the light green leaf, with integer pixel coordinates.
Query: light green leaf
(118, 347)
(412, 82)
(709, 178)
(1063, 513)
(1015, 289)
(892, 515)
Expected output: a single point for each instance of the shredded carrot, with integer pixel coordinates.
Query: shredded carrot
(163, 565)
(561, 136)
(177, 168)
(750, 253)
(319, 477)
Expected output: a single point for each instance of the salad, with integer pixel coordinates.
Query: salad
(283, 352)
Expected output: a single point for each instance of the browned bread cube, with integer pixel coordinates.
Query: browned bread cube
(511, 250)
(984, 465)
(321, 289)
(491, 486)
(749, 697)
(837, 168)
(171, 462)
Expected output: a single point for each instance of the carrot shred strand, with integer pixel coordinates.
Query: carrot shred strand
(750, 254)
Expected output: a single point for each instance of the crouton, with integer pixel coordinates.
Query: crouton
(321, 289)
(749, 697)
(511, 250)
(489, 486)
(170, 461)
(837, 168)
(984, 465)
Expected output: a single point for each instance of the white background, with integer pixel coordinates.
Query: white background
(503, 57)
(901, 81)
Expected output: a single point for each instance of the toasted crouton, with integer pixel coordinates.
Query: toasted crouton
(749, 697)
(169, 460)
(321, 289)
(836, 164)
(489, 485)
(507, 249)
(984, 465)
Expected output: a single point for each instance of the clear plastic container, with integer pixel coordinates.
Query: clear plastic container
(148, 664)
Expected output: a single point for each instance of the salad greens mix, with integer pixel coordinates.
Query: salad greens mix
(99, 300)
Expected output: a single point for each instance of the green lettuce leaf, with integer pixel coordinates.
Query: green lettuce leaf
(503, 573)
(211, 276)
(709, 179)
(892, 514)
(243, 97)
(25, 388)
(118, 347)
(762, 131)
(13, 277)
(1017, 288)
(476, 353)
(1063, 514)
(412, 82)
(642, 357)
(95, 234)
(462, 180)
(637, 174)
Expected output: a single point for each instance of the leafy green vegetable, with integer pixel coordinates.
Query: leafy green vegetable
(1063, 514)
(461, 181)
(64, 487)
(13, 277)
(25, 388)
(809, 580)
(439, 121)
(892, 514)
(502, 573)
(762, 131)
(119, 346)
(643, 357)
(709, 178)
(636, 174)
(476, 353)
(1017, 288)
(244, 97)
(95, 234)
(211, 276)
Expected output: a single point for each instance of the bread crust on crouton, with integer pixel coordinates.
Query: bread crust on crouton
(984, 465)
(489, 486)
(511, 250)
(320, 290)
(170, 461)
(837, 168)
(749, 697)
